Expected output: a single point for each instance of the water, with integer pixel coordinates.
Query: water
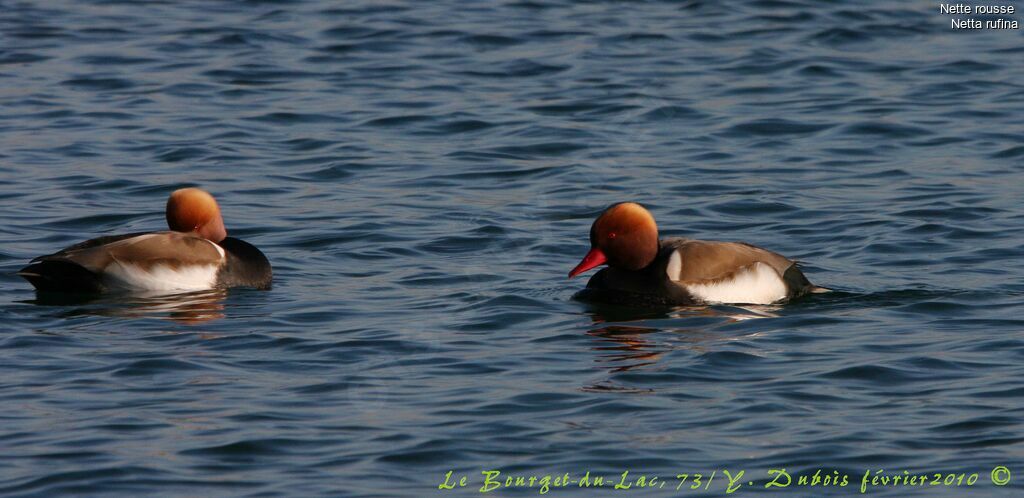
(423, 175)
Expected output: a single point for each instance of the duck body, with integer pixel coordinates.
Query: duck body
(643, 269)
(714, 272)
(155, 261)
(196, 254)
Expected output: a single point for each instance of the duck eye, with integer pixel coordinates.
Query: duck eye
(611, 235)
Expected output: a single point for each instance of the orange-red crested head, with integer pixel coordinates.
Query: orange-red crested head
(195, 210)
(624, 236)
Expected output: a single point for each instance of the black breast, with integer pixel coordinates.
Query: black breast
(647, 287)
(246, 266)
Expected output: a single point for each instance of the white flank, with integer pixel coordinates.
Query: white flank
(219, 249)
(675, 265)
(757, 284)
(161, 277)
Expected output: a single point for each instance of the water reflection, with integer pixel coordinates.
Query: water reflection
(624, 347)
(632, 339)
(188, 307)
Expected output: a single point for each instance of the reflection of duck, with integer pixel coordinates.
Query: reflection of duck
(628, 347)
(631, 340)
(196, 254)
(189, 307)
(645, 270)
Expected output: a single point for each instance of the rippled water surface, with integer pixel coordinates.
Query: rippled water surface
(423, 175)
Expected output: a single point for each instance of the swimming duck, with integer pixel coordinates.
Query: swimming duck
(195, 254)
(643, 269)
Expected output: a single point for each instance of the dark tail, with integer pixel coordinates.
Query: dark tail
(61, 276)
(799, 285)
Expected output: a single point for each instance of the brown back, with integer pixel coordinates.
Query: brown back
(173, 249)
(704, 260)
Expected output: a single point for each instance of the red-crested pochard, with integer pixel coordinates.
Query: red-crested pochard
(644, 269)
(195, 254)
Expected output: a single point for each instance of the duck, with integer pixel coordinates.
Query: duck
(195, 254)
(644, 269)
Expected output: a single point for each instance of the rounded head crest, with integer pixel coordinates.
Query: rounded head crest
(195, 210)
(627, 234)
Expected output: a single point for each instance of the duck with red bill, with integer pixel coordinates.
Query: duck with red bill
(681, 271)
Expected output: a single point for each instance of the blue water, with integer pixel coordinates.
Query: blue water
(423, 175)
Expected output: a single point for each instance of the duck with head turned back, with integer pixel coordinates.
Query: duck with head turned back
(643, 269)
(196, 254)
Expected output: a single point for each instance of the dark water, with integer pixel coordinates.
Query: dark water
(422, 176)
